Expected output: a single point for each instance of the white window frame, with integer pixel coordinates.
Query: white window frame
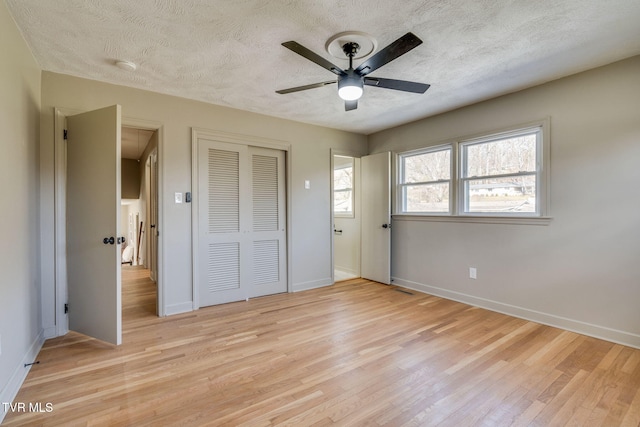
(401, 202)
(462, 179)
(542, 215)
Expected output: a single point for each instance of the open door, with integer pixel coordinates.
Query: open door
(153, 223)
(376, 217)
(93, 224)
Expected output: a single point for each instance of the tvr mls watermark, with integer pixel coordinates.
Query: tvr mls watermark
(27, 407)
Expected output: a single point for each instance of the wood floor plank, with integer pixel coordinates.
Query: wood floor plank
(356, 353)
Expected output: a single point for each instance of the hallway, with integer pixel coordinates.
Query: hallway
(139, 297)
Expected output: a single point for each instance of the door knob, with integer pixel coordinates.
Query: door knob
(108, 240)
(386, 225)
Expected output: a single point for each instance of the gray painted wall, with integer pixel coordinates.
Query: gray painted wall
(20, 322)
(579, 272)
(130, 179)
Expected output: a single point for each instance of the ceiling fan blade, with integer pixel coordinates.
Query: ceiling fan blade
(402, 85)
(350, 105)
(305, 87)
(313, 57)
(398, 48)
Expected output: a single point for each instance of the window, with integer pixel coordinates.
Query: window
(425, 181)
(498, 175)
(343, 186)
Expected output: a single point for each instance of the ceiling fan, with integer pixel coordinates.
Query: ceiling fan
(351, 81)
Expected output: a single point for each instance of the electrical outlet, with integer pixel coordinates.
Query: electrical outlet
(473, 273)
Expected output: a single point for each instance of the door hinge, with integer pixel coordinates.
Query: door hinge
(66, 308)
(65, 135)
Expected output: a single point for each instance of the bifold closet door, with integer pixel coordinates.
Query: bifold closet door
(242, 241)
(268, 222)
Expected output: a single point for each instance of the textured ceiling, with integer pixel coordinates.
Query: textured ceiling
(228, 52)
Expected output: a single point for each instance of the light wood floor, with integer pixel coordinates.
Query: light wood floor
(356, 353)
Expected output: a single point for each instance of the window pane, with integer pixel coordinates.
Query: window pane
(503, 195)
(426, 197)
(511, 155)
(343, 185)
(342, 178)
(427, 167)
(343, 202)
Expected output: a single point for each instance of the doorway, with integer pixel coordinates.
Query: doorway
(139, 210)
(361, 216)
(346, 214)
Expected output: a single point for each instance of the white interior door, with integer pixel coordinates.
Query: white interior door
(93, 215)
(376, 217)
(222, 219)
(153, 223)
(241, 222)
(268, 222)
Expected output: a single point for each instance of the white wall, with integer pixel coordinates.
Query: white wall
(310, 160)
(130, 210)
(579, 272)
(20, 324)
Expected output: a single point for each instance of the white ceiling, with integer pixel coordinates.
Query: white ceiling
(228, 52)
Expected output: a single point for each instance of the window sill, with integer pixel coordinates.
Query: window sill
(512, 220)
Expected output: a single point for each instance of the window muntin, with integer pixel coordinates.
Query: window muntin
(425, 181)
(343, 186)
(500, 175)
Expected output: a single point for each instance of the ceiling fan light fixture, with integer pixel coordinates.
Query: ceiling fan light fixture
(350, 88)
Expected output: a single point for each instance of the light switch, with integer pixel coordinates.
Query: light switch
(307, 184)
(178, 197)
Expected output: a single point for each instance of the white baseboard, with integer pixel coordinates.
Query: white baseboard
(313, 284)
(183, 307)
(596, 331)
(20, 374)
(347, 270)
(50, 332)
